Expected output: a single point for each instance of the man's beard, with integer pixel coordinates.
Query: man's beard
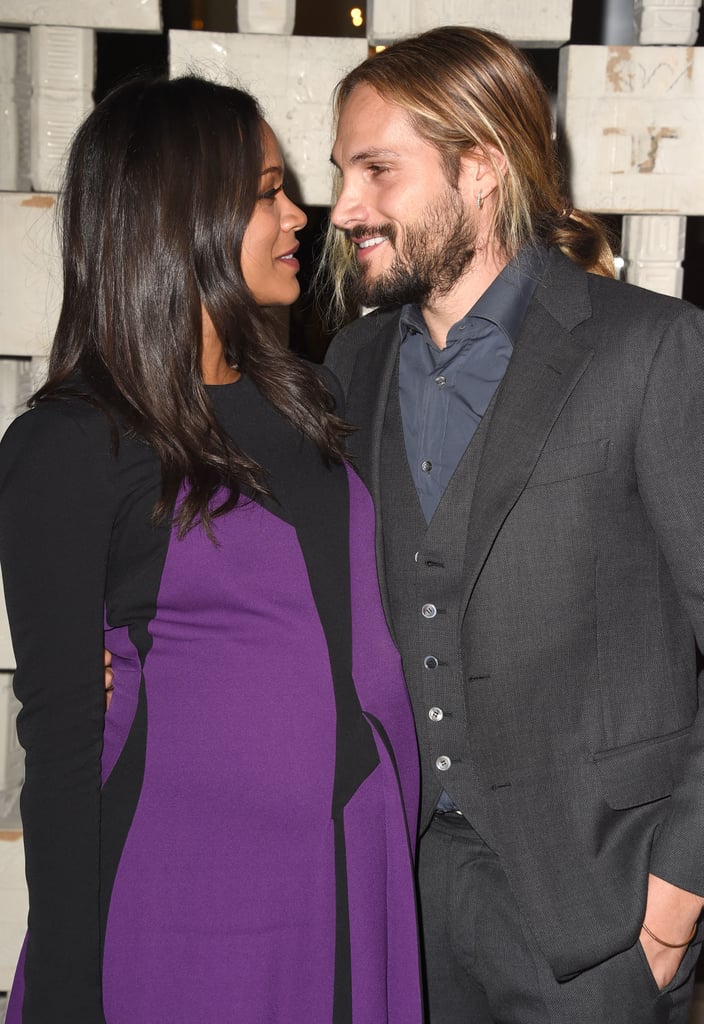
(437, 249)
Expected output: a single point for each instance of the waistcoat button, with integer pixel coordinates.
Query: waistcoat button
(429, 611)
(436, 715)
(443, 763)
(430, 662)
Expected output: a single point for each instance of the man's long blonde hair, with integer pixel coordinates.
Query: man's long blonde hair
(464, 89)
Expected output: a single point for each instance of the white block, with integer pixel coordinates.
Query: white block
(11, 753)
(16, 385)
(63, 72)
(292, 77)
(55, 118)
(543, 23)
(632, 119)
(39, 371)
(62, 58)
(15, 90)
(13, 905)
(19, 378)
(671, 22)
(274, 17)
(30, 277)
(653, 248)
(121, 15)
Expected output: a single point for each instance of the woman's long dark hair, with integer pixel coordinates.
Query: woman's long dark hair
(161, 182)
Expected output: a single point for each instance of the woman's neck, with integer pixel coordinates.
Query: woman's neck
(213, 365)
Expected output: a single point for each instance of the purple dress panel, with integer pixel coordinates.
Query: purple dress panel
(241, 723)
(242, 732)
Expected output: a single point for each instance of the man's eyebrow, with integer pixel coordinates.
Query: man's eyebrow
(367, 154)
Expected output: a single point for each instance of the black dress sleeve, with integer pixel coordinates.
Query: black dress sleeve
(56, 512)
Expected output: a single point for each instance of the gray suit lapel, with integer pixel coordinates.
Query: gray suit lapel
(545, 367)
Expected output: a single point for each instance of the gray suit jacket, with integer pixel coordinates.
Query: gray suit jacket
(584, 600)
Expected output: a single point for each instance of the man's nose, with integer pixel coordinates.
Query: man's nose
(348, 209)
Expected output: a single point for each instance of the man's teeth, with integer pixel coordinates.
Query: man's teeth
(370, 241)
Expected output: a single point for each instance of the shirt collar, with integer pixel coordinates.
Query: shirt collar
(504, 302)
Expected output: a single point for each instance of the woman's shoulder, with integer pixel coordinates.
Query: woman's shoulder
(59, 419)
(70, 430)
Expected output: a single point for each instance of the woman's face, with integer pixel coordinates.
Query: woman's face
(269, 263)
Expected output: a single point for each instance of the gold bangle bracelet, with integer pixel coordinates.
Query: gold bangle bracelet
(670, 945)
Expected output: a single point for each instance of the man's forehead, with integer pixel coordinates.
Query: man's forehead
(371, 127)
(366, 153)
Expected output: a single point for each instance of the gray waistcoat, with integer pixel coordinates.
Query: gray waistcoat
(424, 565)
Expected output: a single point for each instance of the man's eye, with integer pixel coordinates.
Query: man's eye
(376, 169)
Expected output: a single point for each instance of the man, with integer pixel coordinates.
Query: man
(533, 437)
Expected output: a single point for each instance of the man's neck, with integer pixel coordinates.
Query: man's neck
(441, 312)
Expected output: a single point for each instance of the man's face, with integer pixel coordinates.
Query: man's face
(411, 228)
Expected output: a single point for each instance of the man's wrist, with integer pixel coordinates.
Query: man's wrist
(671, 913)
(670, 945)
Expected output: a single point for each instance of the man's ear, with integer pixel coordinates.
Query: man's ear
(479, 171)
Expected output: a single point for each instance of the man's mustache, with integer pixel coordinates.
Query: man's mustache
(362, 232)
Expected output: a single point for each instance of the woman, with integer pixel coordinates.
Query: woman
(231, 841)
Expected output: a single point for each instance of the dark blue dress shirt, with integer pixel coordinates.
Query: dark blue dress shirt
(445, 392)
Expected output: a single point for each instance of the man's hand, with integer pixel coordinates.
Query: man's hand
(109, 687)
(671, 914)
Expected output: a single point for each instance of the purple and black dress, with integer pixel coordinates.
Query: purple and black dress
(233, 840)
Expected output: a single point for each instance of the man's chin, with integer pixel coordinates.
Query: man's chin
(366, 288)
(383, 293)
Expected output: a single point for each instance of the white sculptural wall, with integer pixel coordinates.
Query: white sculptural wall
(632, 117)
(543, 23)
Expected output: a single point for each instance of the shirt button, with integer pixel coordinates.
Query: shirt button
(440, 381)
(430, 662)
(436, 715)
(426, 465)
(429, 611)
(443, 763)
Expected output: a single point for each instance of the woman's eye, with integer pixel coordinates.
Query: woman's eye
(271, 193)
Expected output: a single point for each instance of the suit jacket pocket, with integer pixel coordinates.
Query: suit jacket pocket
(641, 773)
(567, 463)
